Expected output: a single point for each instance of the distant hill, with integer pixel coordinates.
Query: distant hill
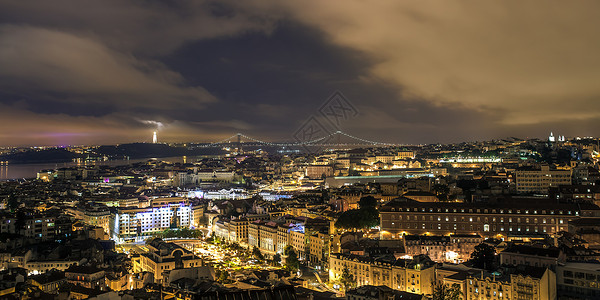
(146, 150)
(141, 150)
(132, 151)
(40, 156)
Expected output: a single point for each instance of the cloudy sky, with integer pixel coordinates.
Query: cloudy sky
(113, 71)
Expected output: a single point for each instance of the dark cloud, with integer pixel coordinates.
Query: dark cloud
(533, 62)
(109, 71)
(140, 27)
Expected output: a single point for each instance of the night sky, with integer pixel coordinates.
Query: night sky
(113, 71)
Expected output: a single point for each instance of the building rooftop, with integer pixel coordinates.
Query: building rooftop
(83, 269)
(379, 292)
(590, 266)
(513, 204)
(535, 272)
(585, 222)
(532, 250)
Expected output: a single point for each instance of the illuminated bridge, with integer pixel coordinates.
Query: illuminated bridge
(336, 139)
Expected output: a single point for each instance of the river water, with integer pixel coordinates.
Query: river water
(19, 171)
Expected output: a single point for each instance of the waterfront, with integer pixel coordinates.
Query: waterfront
(21, 171)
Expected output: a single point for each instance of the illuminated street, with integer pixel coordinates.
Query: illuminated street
(220, 256)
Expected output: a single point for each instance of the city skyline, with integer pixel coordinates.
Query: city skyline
(115, 72)
(299, 150)
(350, 141)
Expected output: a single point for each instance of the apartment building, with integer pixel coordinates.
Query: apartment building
(415, 276)
(272, 237)
(134, 223)
(42, 227)
(494, 219)
(578, 280)
(548, 257)
(194, 178)
(540, 180)
(405, 154)
(533, 283)
(163, 257)
(93, 215)
(319, 248)
(318, 171)
(453, 248)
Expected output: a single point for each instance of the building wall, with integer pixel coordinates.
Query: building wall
(488, 288)
(539, 181)
(508, 258)
(268, 239)
(253, 234)
(488, 222)
(418, 279)
(160, 262)
(405, 154)
(39, 267)
(317, 171)
(36, 227)
(318, 248)
(298, 241)
(578, 280)
(240, 228)
(134, 222)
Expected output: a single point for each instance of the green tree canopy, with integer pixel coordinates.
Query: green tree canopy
(441, 191)
(367, 202)
(444, 292)
(358, 218)
(291, 262)
(347, 279)
(179, 233)
(257, 254)
(484, 256)
(221, 275)
(276, 259)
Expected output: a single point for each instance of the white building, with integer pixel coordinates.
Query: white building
(223, 194)
(164, 213)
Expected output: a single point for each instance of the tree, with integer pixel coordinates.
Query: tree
(179, 233)
(347, 280)
(358, 218)
(484, 256)
(369, 217)
(291, 262)
(257, 254)
(367, 202)
(444, 292)
(441, 191)
(276, 259)
(221, 275)
(12, 203)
